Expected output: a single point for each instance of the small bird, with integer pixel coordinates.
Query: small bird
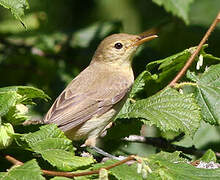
(93, 98)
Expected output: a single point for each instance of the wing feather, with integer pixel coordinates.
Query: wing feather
(87, 96)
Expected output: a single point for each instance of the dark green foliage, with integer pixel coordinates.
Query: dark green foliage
(59, 41)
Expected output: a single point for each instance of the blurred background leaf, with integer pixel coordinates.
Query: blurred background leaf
(61, 38)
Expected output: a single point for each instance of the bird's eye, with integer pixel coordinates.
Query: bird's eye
(118, 45)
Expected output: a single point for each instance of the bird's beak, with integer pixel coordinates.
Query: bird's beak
(144, 38)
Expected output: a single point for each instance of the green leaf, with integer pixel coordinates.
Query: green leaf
(123, 113)
(27, 92)
(140, 83)
(48, 137)
(209, 156)
(170, 166)
(171, 157)
(27, 171)
(208, 94)
(6, 135)
(13, 100)
(176, 60)
(169, 66)
(17, 114)
(60, 178)
(198, 12)
(177, 8)
(17, 7)
(122, 172)
(64, 160)
(54, 147)
(2, 174)
(168, 110)
(11, 25)
(8, 99)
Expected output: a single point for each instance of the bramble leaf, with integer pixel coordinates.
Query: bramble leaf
(27, 171)
(168, 110)
(54, 147)
(170, 166)
(208, 93)
(209, 156)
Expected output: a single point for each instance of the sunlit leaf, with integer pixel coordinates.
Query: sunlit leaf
(169, 166)
(208, 93)
(168, 110)
(27, 171)
(177, 8)
(54, 147)
(209, 156)
(17, 7)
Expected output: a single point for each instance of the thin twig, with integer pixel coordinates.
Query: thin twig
(166, 145)
(195, 53)
(70, 174)
(13, 160)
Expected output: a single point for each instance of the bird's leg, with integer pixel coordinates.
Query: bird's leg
(91, 142)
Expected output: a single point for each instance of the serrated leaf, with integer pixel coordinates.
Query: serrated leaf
(17, 114)
(177, 8)
(175, 60)
(13, 100)
(208, 94)
(45, 132)
(168, 110)
(138, 86)
(211, 77)
(60, 178)
(17, 7)
(27, 171)
(209, 156)
(171, 157)
(6, 135)
(27, 92)
(122, 172)
(169, 66)
(64, 160)
(54, 147)
(139, 83)
(170, 166)
(123, 113)
(192, 76)
(48, 137)
(8, 99)
(208, 100)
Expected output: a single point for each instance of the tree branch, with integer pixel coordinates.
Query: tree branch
(195, 53)
(70, 174)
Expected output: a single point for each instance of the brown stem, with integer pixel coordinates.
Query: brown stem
(13, 160)
(70, 174)
(192, 57)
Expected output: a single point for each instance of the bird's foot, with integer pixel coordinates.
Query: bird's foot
(106, 154)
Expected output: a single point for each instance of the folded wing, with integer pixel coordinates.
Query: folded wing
(89, 94)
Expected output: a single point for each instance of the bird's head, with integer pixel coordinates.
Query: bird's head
(119, 48)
